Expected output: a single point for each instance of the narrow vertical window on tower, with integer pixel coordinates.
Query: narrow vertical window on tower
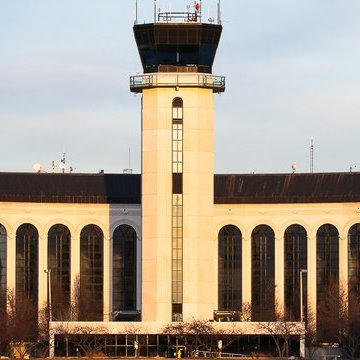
(3, 261)
(177, 210)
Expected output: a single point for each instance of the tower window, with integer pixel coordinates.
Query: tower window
(177, 210)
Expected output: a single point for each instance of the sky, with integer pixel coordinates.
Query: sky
(292, 71)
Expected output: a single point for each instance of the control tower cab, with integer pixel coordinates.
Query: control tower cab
(177, 52)
(178, 42)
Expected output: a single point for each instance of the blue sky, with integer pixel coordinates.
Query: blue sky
(292, 69)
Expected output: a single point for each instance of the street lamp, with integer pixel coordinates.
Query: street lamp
(302, 337)
(49, 315)
(302, 271)
(48, 273)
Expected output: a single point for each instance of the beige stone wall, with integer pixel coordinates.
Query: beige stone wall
(279, 217)
(200, 244)
(75, 217)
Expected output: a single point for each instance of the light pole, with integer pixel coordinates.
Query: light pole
(49, 315)
(48, 274)
(301, 294)
(302, 337)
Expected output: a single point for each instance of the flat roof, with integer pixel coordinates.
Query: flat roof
(228, 188)
(70, 188)
(287, 188)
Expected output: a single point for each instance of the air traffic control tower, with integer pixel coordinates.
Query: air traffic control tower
(179, 274)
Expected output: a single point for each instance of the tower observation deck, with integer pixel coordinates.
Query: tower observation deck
(177, 49)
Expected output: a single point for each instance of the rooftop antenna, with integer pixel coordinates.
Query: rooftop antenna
(312, 156)
(129, 170)
(136, 12)
(62, 163)
(219, 12)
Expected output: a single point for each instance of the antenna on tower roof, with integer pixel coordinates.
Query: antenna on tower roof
(136, 12)
(219, 12)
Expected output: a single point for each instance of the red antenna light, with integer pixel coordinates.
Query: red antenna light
(197, 6)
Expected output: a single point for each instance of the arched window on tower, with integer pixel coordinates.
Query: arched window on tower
(59, 249)
(295, 259)
(91, 274)
(263, 273)
(177, 107)
(27, 245)
(124, 273)
(3, 268)
(229, 268)
(327, 283)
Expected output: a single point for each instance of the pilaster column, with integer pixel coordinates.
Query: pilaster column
(107, 280)
(279, 273)
(11, 260)
(311, 274)
(42, 265)
(246, 268)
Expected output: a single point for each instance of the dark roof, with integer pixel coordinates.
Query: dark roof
(71, 188)
(229, 189)
(287, 188)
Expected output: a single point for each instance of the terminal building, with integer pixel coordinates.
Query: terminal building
(178, 242)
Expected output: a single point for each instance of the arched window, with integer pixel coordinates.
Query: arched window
(27, 245)
(295, 259)
(327, 282)
(229, 268)
(263, 273)
(124, 270)
(91, 274)
(3, 267)
(177, 106)
(354, 259)
(59, 243)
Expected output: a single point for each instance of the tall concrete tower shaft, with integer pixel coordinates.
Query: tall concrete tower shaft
(177, 86)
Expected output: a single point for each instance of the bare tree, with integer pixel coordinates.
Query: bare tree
(20, 327)
(329, 307)
(349, 324)
(201, 335)
(90, 340)
(246, 312)
(310, 335)
(281, 330)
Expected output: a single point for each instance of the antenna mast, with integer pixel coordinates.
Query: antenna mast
(312, 156)
(136, 12)
(219, 12)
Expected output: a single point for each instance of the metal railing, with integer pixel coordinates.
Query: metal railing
(140, 82)
(174, 16)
